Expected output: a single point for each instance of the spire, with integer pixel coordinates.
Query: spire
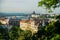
(33, 12)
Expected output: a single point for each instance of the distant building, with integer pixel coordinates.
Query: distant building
(35, 15)
(4, 21)
(33, 24)
(14, 22)
(45, 22)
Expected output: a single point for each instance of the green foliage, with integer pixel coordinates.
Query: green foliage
(53, 30)
(3, 33)
(49, 4)
(58, 17)
(25, 35)
(14, 33)
(49, 32)
(17, 34)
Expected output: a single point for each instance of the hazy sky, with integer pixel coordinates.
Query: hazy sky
(24, 6)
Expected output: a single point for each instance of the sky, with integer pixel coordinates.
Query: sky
(22, 6)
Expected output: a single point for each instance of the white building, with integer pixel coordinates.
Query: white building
(35, 15)
(4, 20)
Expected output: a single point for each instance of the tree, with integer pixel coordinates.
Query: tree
(58, 17)
(40, 35)
(28, 35)
(3, 33)
(49, 4)
(13, 34)
(21, 34)
(25, 35)
(17, 34)
(49, 32)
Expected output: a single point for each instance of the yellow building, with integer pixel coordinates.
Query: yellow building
(28, 25)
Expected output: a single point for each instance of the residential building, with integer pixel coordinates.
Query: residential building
(14, 22)
(4, 21)
(28, 25)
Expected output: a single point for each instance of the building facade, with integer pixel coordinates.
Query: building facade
(14, 22)
(28, 25)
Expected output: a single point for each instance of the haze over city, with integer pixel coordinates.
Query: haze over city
(29, 19)
(22, 6)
